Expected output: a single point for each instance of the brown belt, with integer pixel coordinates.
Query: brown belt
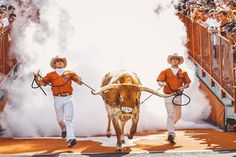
(63, 94)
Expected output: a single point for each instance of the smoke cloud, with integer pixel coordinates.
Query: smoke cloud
(97, 37)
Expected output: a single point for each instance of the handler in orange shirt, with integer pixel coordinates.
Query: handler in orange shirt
(60, 80)
(173, 79)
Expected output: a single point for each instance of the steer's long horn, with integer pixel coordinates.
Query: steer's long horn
(139, 87)
(105, 88)
(146, 89)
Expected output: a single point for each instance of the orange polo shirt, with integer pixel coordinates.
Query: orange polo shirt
(199, 16)
(174, 81)
(57, 80)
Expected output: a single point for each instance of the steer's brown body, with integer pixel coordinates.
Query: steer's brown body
(121, 93)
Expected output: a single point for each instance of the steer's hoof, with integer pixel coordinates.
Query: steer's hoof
(130, 136)
(119, 150)
(108, 134)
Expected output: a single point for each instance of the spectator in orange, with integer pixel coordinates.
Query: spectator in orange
(223, 21)
(200, 17)
(231, 14)
(198, 13)
(173, 79)
(231, 24)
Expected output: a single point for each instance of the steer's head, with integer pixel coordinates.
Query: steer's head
(128, 96)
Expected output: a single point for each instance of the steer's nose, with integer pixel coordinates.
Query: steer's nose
(126, 117)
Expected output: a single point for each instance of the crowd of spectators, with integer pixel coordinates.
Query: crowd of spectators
(219, 16)
(219, 19)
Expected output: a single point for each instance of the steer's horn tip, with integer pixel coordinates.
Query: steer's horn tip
(93, 92)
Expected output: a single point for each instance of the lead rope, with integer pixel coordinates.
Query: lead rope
(150, 96)
(92, 89)
(179, 93)
(38, 86)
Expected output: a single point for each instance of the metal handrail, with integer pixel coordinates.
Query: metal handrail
(9, 73)
(4, 51)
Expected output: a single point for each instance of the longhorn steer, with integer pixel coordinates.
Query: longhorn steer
(121, 93)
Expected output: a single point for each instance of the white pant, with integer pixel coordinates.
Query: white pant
(173, 112)
(64, 112)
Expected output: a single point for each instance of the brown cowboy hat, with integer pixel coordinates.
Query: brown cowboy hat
(58, 57)
(175, 55)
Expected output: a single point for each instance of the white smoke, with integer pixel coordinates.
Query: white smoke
(97, 36)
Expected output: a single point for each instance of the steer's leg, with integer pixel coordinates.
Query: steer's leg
(109, 120)
(133, 129)
(109, 127)
(116, 125)
(122, 131)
